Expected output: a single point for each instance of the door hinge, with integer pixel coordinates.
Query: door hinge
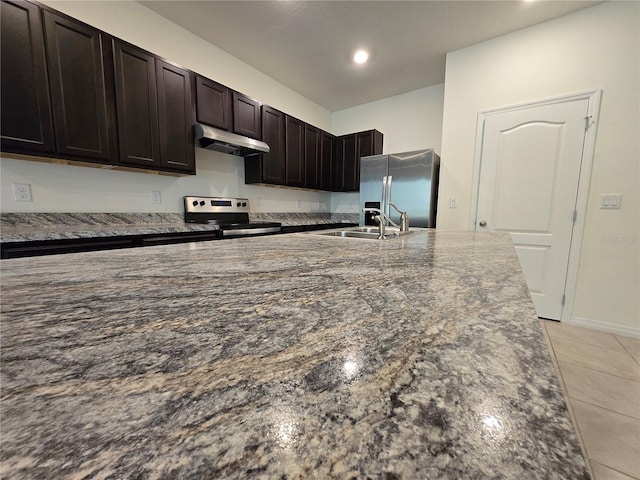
(587, 122)
(564, 298)
(575, 216)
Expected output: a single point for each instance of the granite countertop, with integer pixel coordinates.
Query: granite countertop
(24, 227)
(296, 356)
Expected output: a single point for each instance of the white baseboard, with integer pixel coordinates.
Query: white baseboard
(606, 327)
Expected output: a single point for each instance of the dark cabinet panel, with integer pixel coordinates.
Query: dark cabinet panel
(137, 106)
(327, 160)
(269, 167)
(350, 148)
(176, 110)
(26, 110)
(213, 103)
(368, 143)
(77, 82)
(346, 164)
(155, 110)
(312, 157)
(294, 156)
(246, 116)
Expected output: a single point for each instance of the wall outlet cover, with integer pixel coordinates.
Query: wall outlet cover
(22, 192)
(156, 198)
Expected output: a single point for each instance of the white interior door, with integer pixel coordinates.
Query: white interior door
(529, 175)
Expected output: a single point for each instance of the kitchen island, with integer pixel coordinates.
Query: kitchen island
(291, 356)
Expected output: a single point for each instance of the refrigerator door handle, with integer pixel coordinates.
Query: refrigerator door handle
(386, 194)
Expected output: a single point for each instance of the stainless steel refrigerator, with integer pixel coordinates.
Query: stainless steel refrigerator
(413, 178)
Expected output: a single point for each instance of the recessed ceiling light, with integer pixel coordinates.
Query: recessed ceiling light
(361, 56)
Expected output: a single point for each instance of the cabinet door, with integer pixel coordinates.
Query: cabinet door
(77, 81)
(213, 102)
(269, 167)
(246, 116)
(327, 160)
(346, 164)
(26, 110)
(312, 156)
(176, 110)
(294, 156)
(136, 106)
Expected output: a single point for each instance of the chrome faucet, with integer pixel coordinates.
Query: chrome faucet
(382, 219)
(404, 218)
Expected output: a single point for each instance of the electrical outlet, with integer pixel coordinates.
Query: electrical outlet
(22, 192)
(453, 202)
(156, 198)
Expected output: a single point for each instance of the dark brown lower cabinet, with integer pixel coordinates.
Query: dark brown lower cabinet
(26, 123)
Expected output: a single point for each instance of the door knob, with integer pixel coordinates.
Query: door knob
(482, 223)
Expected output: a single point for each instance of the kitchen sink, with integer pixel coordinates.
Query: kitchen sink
(367, 233)
(350, 233)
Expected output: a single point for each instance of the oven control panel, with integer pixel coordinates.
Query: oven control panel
(216, 205)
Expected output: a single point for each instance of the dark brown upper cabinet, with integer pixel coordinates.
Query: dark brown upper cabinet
(312, 157)
(269, 167)
(213, 103)
(246, 116)
(327, 160)
(26, 123)
(155, 111)
(349, 150)
(76, 68)
(368, 143)
(137, 106)
(346, 164)
(294, 156)
(176, 116)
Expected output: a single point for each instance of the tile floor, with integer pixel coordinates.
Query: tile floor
(600, 373)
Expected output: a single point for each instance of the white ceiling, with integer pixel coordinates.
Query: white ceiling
(307, 45)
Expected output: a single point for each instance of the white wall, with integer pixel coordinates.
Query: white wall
(61, 188)
(596, 48)
(411, 121)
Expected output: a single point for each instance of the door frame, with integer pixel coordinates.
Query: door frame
(594, 98)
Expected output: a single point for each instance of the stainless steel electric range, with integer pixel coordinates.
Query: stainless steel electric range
(231, 215)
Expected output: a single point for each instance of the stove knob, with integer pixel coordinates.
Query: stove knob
(244, 204)
(238, 204)
(194, 203)
(202, 202)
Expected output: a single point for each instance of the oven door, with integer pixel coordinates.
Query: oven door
(246, 229)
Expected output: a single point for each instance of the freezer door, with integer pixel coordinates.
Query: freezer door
(413, 187)
(372, 169)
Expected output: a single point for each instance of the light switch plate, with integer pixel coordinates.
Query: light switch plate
(611, 200)
(453, 202)
(156, 197)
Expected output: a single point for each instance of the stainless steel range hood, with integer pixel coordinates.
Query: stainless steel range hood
(226, 142)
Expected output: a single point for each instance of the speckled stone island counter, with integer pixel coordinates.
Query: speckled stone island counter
(297, 356)
(22, 227)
